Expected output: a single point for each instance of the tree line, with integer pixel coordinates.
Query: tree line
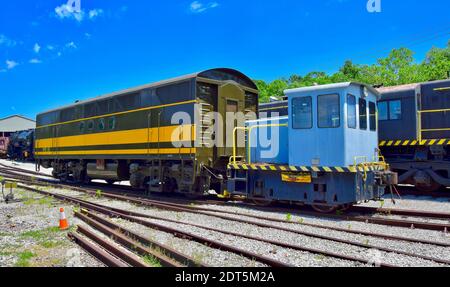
(397, 69)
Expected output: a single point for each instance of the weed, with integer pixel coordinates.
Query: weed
(98, 193)
(24, 259)
(198, 258)
(40, 234)
(50, 244)
(301, 220)
(152, 261)
(288, 217)
(382, 203)
(320, 257)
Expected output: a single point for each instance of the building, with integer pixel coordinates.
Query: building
(15, 123)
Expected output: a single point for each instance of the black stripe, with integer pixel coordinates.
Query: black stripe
(186, 144)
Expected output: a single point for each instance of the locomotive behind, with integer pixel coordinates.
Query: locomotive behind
(129, 135)
(4, 141)
(415, 133)
(21, 146)
(324, 153)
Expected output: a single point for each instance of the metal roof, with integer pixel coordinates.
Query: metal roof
(330, 86)
(398, 88)
(16, 123)
(155, 84)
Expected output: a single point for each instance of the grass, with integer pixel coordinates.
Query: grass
(50, 244)
(42, 201)
(24, 259)
(40, 234)
(152, 261)
(288, 217)
(98, 193)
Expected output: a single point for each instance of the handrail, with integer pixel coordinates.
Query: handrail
(250, 136)
(420, 130)
(233, 158)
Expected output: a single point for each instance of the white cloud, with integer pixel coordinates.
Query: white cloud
(6, 41)
(35, 61)
(87, 35)
(199, 7)
(66, 11)
(71, 45)
(36, 48)
(69, 12)
(50, 47)
(95, 13)
(10, 64)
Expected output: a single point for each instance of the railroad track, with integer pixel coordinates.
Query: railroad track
(126, 215)
(444, 227)
(211, 212)
(367, 219)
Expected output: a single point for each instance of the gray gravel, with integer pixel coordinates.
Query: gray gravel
(30, 227)
(214, 257)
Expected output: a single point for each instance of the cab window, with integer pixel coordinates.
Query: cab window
(383, 111)
(351, 111)
(328, 111)
(395, 110)
(372, 116)
(362, 114)
(302, 113)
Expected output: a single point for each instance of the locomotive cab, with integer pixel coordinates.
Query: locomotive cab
(324, 153)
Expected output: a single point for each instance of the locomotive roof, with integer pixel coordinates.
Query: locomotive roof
(331, 86)
(398, 88)
(203, 74)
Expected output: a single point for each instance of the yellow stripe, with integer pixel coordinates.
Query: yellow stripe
(315, 168)
(153, 135)
(263, 167)
(432, 142)
(405, 143)
(414, 142)
(352, 169)
(339, 169)
(327, 169)
(390, 143)
(283, 168)
(273, 167)
(121, 152)
(441, 142)
(120, 113)
(293, 168)
(382, 143)
(304, 168)
(274, 108)
(423, 142)
(245, 166)
(398, 143)
(253, 167)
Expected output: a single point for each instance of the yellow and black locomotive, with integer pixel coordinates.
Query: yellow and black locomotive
(141, 134)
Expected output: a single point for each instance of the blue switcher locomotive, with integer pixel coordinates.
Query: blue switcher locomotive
(324, 153)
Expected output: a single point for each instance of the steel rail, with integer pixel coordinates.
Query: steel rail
(178, 233)
(129, 258)
(278, 243)
(127, 198)
(130, 244)
(96, 251)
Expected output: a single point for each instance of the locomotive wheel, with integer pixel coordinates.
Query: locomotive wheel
(324, 208)
(434, 186)
(261, 201)
(345, 207)
(110, 182)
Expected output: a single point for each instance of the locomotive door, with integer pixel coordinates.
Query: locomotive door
(231, 102)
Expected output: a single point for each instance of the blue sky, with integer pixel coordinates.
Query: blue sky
(51, 55)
